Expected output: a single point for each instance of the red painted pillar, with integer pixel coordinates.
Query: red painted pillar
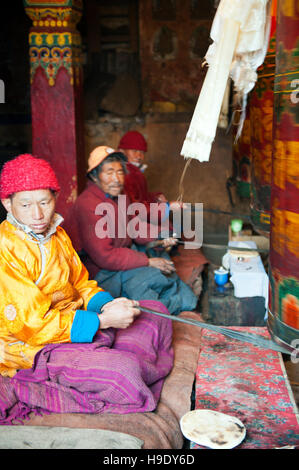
(284, 234)
(56, 93)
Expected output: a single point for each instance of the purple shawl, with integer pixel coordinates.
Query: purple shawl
(121, 371)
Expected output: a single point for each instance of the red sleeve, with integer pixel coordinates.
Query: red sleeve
(136, 186)
(103, 251)
(136, 189)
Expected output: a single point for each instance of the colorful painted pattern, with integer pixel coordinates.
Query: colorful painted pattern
(54, 17)
(250, 383)
(261, 119)
(284, 250)
(54, 41)
(43, 3)
(54, 50)
(286, 83)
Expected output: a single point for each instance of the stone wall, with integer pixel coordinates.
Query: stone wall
(174, 37)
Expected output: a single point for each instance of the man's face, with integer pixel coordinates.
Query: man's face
(32, 208)
(134, 156)
(112, 178)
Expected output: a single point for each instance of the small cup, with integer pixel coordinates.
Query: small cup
(221, 276)
(236, 225)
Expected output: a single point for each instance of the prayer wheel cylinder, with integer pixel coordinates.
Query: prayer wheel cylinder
(283, 311)
(261, 121)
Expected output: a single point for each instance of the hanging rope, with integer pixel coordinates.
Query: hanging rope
(181, 186)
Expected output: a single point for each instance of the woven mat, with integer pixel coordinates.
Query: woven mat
(251, 384)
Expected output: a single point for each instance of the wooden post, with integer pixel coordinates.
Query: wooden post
(56, 93)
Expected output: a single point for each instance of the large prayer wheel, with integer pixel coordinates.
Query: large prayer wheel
(283, 313)
(261, 120)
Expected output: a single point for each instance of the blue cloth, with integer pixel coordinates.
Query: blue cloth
(98, 300)
(86, 322)
(85, 325)
(148, 283)
(167, 210)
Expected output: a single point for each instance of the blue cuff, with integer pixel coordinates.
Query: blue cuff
(84, 327)
(98, 300)
(167, 210)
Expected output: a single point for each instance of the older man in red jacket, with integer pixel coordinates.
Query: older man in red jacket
(114, 256)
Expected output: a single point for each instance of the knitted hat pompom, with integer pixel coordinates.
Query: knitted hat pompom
(26, 173)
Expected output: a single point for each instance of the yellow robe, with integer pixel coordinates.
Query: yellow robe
(42, 284)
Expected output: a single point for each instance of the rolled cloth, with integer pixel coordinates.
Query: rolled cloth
(121, 371)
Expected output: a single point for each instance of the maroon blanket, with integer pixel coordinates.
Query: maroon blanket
(121, 372)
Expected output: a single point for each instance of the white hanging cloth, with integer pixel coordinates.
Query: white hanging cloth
(240, 34)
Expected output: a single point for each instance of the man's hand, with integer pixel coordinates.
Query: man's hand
(176, 205)
(171, 241)
(163, 264)
(173, 205)
(119, 313)
(161, 198)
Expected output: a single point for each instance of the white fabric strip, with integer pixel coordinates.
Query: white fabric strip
(240, 34)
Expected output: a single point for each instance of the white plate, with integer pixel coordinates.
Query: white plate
(212, 429)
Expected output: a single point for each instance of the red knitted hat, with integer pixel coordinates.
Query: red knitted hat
(133, 140)
(26, 173)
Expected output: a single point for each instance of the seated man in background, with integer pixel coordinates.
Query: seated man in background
(66, 345)
(134, 146)
(112, 254)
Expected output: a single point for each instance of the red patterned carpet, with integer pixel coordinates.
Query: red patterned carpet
(251, 384)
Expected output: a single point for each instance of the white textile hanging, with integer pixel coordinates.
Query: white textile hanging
(240, 34)
(224, 111)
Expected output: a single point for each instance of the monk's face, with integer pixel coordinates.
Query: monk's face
(134, 156)
(112, 178)
(32, 208)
